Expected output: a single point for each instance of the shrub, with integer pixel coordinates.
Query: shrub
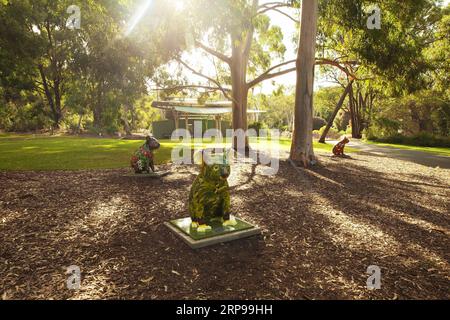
(422, 139)
(318, 123)
(257, 126)
(333, 133)
(382, 128)
(29, 117)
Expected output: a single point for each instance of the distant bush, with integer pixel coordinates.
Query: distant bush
(422, 139)
(342, 120)
(333, 133)
(24, 119)
(257, 126)
(318, 123)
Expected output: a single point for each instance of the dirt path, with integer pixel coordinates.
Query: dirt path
(322, 228)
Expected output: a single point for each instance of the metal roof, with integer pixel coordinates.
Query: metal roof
(205, 110)
(193, 107)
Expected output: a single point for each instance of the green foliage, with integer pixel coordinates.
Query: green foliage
(232, 29)
(94, 72)
(318, 123)
(392, 52)
(423, 139)
(209, 196)
(102, 73)
(325, 100)
(257, 126)
(438, 55)
(22, 116)
(342, 121)
(383, 127)
(333, 133)
(279, 110)
(424, 111)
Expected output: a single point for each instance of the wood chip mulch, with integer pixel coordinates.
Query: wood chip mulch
(322, 228)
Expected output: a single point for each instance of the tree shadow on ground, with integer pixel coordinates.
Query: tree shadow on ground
(412, 234)
(322, 228)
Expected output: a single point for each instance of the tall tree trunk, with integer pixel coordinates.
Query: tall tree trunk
(302, 151)
(54, 96)
(98, 106)
(54, 109)
(335, 112)
(239, 92)
(355, 117)
(80, 119)
(126, 124)
(239, 87)
(241, 45)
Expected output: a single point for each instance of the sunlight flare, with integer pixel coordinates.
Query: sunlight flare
(179, 5)
(137, 17)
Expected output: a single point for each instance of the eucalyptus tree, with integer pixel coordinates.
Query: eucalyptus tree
(77, 59)
(238, 35)
(302, 150)
(37, 36)
(386, 58)
(28, 43)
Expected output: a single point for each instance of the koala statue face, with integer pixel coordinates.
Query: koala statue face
(346, 140)
(216, 168)
(215, 172)
(152, 143)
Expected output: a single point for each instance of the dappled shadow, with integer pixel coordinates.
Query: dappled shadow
(418, 157)
(413, 231)
(321, 228)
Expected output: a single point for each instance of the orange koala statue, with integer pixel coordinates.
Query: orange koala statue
(338, 149)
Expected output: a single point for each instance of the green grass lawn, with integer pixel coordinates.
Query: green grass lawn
(37, 152)
(434, 150)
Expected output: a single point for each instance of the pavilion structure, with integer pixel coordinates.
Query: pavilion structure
(191, 109)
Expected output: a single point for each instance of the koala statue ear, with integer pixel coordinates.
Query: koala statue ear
(199, 158)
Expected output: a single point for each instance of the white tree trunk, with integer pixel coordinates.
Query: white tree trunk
(302, 143)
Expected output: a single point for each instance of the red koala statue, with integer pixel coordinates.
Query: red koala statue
(338, 149)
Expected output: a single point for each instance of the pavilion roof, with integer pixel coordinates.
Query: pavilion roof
(191, 106)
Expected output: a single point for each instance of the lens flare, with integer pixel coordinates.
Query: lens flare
(137, 17)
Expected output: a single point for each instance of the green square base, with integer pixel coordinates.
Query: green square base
(218, 233)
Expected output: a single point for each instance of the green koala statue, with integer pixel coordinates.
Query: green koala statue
(210, 195)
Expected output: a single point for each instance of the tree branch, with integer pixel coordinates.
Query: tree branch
(249, 37)
(271, 6)
(287, 15)
(213, 52)
(267, 75)
(207, 78)
(321, 61)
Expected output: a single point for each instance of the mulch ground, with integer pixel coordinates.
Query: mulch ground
(322, 228)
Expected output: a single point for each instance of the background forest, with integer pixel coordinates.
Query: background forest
(103, 78)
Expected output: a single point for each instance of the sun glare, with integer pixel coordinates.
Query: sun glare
(137, 17)
(179, 5)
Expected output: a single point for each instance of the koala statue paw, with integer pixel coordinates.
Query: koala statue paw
(194, 225)
(204, 228)
(229, 223)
